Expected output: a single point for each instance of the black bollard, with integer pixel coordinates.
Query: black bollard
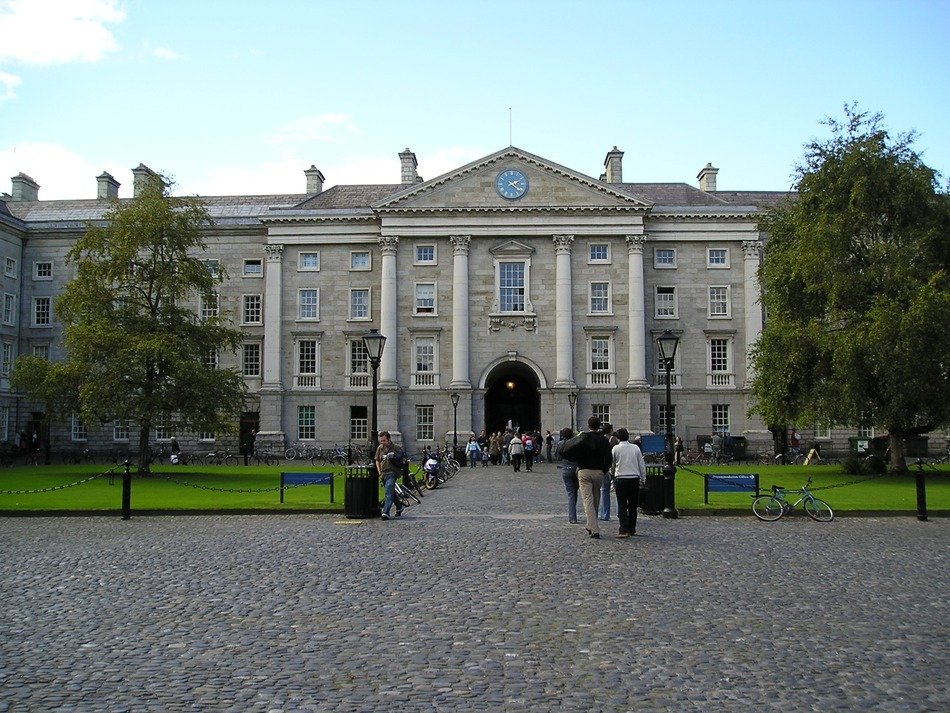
(126, 492)
(921, 492)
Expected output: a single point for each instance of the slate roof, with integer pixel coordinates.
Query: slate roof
(762, 199)
(343, 196)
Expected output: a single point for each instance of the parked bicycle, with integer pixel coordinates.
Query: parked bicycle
(774, 506)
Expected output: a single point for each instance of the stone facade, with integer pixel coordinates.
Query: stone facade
(512, 303)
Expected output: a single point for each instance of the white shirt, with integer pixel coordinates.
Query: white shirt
(628, 461)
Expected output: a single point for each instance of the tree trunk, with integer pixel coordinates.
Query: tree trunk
(144, 449)
(897, 462)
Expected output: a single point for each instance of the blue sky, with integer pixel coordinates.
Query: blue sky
(243, 96)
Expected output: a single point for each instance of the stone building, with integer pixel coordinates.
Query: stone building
(511, 281)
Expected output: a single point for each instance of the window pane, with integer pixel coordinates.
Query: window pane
(252, 309)
(359, 304)
(307, 356)
(719, 355)
(600, 354)
(425, 423)
(308, 304)
(511, 286)
(425, 298)
(599, 292)
(252, 360)
(306, 422)
(309, 261)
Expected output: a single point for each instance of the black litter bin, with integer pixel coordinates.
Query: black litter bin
(460, 456)
(651, 497)
(739, 446)
(361, 492)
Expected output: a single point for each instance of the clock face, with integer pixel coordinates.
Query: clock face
(511, 184)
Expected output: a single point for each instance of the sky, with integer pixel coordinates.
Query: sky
(241, 96)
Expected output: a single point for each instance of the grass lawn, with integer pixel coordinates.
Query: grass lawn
(255, 488)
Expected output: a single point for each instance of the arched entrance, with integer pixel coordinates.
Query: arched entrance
(512, 395)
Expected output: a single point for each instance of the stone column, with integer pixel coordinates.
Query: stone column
(751, 250)
(388, 309)
(272, 389)
(563, 318)
(461, 323)
(636, 315)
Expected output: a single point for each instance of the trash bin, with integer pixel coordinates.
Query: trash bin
(361, 492)
(651, 497)
(460, 458)
(739, 446)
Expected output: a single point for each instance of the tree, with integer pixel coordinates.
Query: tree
(856, 289)
(135, 350)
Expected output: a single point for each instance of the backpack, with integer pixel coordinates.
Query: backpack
(529, 445)
(398, 461)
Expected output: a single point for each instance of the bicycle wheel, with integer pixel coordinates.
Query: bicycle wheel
(819, 510)
(768, 508)
(231, 460)
(290, 453)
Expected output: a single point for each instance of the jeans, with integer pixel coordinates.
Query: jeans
(516, 462)
(589, 482)
(628, 495)
(473, 458)
(604, 512)
(569, 475)
(389, 487)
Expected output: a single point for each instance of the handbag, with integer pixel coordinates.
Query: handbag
(575, 448)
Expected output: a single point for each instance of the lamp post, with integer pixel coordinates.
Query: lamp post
(455, 423)
(668, 342)
(572, 400)
(374, 342)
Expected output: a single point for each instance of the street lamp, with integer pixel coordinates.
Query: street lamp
(572, 400)
(667, 343)
(455, 423)
(374, 342)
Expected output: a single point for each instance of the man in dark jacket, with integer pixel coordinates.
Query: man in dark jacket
(592, 463)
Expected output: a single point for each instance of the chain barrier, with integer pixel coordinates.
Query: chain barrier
(229, 490)
(811, 489)
(59, 487)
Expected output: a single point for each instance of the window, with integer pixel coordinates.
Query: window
(9, 309)
(308, 304)
(359, 303)
(41, 351)
(206, 436)
(720, 418)
(425, 255)
(213, 267)
(162, 431)
(307, 375)
(720, 363)
(208, 307)
(719, 302)
(306, 423)
(665, 306)
(598, 253)
(6, 358)
(360, 260)
(717, 257)
(251, 314)
(210, 359)
(42, 312)
(77, 429)
(425, 423)
(359, 423)
(511, 286)
(823, 431)
(424, 362)
(9, 267)
(251, 361)
(865, 431)
(425, 298)
(309, 261)
(120, 430)
(43, 270)
(601, 411)
(600, 298)
(253, 268)
(358, 364)
(664, 258)
(661, 418)
(600, 360)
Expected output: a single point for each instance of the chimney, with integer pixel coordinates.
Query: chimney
(108, 187)
(408, 160)
(707, 178)
(315, 179)
(25, 188)
(141, 175)
(614, 166)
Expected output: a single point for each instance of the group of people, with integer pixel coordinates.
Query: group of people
(590, 464)
(510, 447)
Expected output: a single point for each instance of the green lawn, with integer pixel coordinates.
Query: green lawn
(254, 488)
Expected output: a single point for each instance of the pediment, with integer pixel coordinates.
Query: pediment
(511, 248)
(471, 188)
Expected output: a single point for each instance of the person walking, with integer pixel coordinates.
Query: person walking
(629, 470)
(604, 512)
(527, 440)
(592, 462)
(548, 446)
(473, 451)
(515, 452)
(569, 476)
(387, 474)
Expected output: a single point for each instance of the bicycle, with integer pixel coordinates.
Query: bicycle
(772, 507)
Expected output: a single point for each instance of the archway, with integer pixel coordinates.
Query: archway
(512, 395)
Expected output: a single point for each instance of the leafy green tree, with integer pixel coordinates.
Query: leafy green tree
(135, 350)
(856, 289)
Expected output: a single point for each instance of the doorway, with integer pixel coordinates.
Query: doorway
(512, 397)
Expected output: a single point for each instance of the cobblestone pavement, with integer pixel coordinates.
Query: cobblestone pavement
(482, 598)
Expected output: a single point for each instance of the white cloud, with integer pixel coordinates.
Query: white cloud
(166, 53)
(8, 83)
(48, 32)
(61, 173)
(324, 128)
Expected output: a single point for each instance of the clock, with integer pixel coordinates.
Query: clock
(511, 184)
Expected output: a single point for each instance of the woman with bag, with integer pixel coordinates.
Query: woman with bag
(568, 470)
